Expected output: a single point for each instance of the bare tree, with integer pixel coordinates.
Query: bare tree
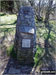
(48, 11)
(47, 25)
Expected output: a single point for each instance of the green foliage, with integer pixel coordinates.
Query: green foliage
(7, 6)
(53, 22)
(10, 51)
(7, 30)
(38, 54)
(2, 14)
(45, 35)
(4, 29)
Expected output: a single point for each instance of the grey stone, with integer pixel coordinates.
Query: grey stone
(13, 71)
(25, 37)
(26, 29)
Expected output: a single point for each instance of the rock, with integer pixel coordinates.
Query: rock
(13, 71)
(25, 37)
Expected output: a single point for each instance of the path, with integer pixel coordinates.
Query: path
(14, 68)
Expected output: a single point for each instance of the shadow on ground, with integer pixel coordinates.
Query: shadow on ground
(14, 68)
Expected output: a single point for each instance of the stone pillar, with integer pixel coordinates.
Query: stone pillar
(25, 37)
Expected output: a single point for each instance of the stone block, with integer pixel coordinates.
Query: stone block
(25, 37)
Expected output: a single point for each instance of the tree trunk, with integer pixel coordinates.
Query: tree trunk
(47, 25)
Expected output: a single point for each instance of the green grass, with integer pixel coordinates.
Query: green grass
(38, 55)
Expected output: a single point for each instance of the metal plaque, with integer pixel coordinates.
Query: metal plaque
(26, 43)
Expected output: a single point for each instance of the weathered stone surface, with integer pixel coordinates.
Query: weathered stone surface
(26, 29)
(13, 71)
(25, 37)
